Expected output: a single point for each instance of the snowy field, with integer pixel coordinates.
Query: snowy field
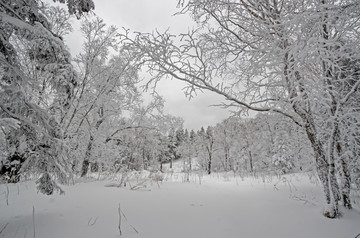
(219, 205)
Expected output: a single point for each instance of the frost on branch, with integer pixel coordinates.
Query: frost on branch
(296, 58)
(78, 7)
(37, 85)
(10, 123)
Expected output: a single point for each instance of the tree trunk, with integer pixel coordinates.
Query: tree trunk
(332, 173)
(210, 153)
(334, 188)
(326, 171)
(325, 164)
(86, 163)
(345, 184)
(251, 162)
(345, 177)
(227, 159)
(190, 165)
(161, 166)
(209, 164)
(84, 168)
(144, 158)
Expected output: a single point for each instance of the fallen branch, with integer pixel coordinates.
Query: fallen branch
(2, 229)
(286, 182)
(129, 223)
(275, 188)
(303, 199)
(138, 186)
(92, 223)
(119, 212)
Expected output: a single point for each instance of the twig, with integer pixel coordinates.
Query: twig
(139, 185)
(119, 211)
(2, 229)
(7, 196)
(200, 177)
(286, 182)
(92, 223)
(357, 235)
(134, 229)
(158, 183)
(303, 199)
(128, 222)
(33, 215)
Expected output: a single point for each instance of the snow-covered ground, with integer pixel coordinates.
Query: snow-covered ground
(219, 205)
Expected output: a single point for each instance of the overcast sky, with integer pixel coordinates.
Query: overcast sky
(145, 16)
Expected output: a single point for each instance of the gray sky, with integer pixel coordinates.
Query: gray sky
(146, 16)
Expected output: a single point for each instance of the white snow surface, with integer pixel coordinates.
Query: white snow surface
(222, 205)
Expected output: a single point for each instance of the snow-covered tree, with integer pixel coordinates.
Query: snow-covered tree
(207, 142)
(225, 136)
(270, 56)
(107, 88)
(34, 63)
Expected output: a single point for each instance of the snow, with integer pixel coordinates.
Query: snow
(223, 205)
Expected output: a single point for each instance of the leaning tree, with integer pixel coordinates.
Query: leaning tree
(34, 62)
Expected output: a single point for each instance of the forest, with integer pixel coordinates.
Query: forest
(296, 64)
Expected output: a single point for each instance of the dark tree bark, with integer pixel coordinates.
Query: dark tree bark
(345, 184)
(209, 164)
(251, 162)
(345, 177)
(86, 163)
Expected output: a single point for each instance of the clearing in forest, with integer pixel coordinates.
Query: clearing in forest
(217, 205)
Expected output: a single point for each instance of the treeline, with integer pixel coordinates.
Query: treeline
(267, 143)
(295, 58)
(61, 116)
